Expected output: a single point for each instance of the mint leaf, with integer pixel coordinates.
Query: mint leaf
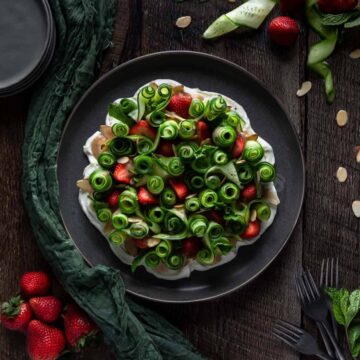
(338, 19)
(354, 338)
(354, 306)
(352, 23)
(340, 303)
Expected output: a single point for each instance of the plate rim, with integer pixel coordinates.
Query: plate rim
(278, 102)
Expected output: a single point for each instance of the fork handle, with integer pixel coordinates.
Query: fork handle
(340, 356)
(323, 356)
(325, 338)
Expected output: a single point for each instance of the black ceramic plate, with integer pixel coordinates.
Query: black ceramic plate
(267, 117)
(27, 34)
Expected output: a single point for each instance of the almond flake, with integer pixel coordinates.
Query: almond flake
(106, 131)
(341, 174)
(355, 54)
(252, 137)
(152, 242)
(253, 215)
(183, 22)
(356, 208)
(342, 118)
(271, 197)
(98, 145)
(84, 184)
(305, 88)
(123, 160)
(357, 152)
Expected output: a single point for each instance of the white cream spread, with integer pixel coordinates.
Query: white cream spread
(163, 272)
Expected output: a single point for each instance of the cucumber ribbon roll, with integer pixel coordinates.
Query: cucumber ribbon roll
(100, 180)
(163, 249)
(215, 107)
(155, 184)
(120, 129)
(198, 225)
(172, 165)
(224, 136)
(174, 261)
(253, 151)
(267, 172)
(106, 160)
(187, 129)
(119, 220)
(197, 109)
(128, 201)
(143, 164)
(192, 204)
(156, 214)
(121, 146)
(122, 110)
(175, 225)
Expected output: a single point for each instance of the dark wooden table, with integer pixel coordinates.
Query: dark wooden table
(237, 326)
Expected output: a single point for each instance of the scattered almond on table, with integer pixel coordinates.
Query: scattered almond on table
(355, 54)
(356, 208)
(183, 22)
(357, 154)
(342, 118)
(304, 89)
(341, 174)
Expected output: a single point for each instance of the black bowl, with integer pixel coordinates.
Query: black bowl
(267, 117)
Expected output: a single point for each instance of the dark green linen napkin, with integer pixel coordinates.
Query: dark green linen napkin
(133, 332)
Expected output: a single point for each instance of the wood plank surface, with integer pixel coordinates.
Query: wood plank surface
(237, 326)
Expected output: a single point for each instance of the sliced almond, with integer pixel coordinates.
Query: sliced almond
(341, 174)
(253, 215)
(357, 154)
(356, 208)
(106, 131)
(355, 54)
(108, 228)
(304, 89)
(342, 118)
(98, 144)
(152, 242)
(252, 137)
(271, 197)
(84, 184)
(183, 22)
(123, 160)
(173, 116)
(239, 162)
(178, 89)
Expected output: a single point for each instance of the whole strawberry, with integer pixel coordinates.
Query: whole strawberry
(44, 342)
(179, 104)
(336, 6)
(283, 30)
(46, 308)
(16, 314)
(79, 328)
(35, 283)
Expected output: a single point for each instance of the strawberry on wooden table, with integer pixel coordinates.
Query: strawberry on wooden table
(203, 131)
(142, 127)
(337, 6)
(121, 174)
(180, 103)
(16, 314)
(79, 328)
(145, 197)
(46, 308)
(113, 199)
(44, 342)
(248, 193)
(238, 146)
(35, 283)
(180, 189)
(252, 230)
(283, 30)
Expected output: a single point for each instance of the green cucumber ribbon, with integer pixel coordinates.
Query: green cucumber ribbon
(237, 218)
(192, 204)
(106, 160)
(163, 249)
(253, 151)
(213, 182)
(155, 184)
(245, 172)
(263, 211)
(215, 107)
(138, 228)
(117, 237)
(121, 110)
(175, 224)
(169, 130)
(235, 120)
(128, 201)
(220, 157)
(168, 197)
(194, 181)
(120, 129)
(121, 146)
(198, 225)
(161, 98)
(228, 170)
(187, 129)
(174, 261)
(152, 260)
(229, 192)
(100, 180)
(208, 198)
(214, 231)
(155, 214)
(156, 118)
(222, 246)
(197, 109)
(171, 165)
(321, 50)
(203, 156)
(224, 136)
(186, 151)
(104, 215)
(144, 97)
(267, 172)
(119, 220)
(143, 164)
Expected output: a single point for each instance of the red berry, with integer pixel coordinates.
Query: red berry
(248, 193)
(141, 243)
(143, 128)
(283, 30)
(44, 342)
(203, 131)
(180, 189)
(35, 283)
(16, 314)
(145, 197)
(252, 230)
(337, 6)
(238, 146)
(179, 104)
(113, 199)
(78, 326)
(46, 308)
(165, 148)
(190, 247)
(215, 216)
(122, 174)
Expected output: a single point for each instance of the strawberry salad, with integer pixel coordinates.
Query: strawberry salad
(178, 180)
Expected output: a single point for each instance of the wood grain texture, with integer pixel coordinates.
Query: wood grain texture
(237, 326)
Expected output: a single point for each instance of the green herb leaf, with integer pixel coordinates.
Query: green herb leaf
(354, 306)
(354, 338)
(352, 23)
(340, 299)
(338, 19)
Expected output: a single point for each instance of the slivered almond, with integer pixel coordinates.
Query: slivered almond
(123, 160)
(106, 131)
(304, 89)
(357, 153)
(342, 118)
(252, 137)
(356, 208)
(253, 215)
(178, 89)
(84, 184)
(98, 144)
(108, 228)
(355, 54)
(183, 22)
(341, 174)
(151, 242)
(271, 197)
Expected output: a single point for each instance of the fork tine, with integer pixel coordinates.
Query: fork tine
(327, 273)
(291, 327)
(322, 274)
(332, 280)
(280, 337)
(286, 334)
(302, 288)
(313, 285)
(308, 286)
(337, 273)
(298, 291)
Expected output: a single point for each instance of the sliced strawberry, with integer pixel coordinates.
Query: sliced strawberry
(248, 193)
(113, 199)
(143, 128)
(215, 216)
(141, 243)
(165, 148)
(252, 230)
(145, 197)
(122, 174)
(238, 146)
(179, 104)
(191, 246)
(203, 131)
(180, 189)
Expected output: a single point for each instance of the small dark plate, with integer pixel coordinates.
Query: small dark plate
(267, 117)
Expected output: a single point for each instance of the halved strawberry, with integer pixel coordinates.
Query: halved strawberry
(122, 174)
(203, 131)
(113, 199)
(145, 197)
(180, 189)
(238, 146)
(191, 246)
(179, 104)
(165, 148)
(143, 128)
(141, 243)
(215, 216)
(248, 193)
(252, 230)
